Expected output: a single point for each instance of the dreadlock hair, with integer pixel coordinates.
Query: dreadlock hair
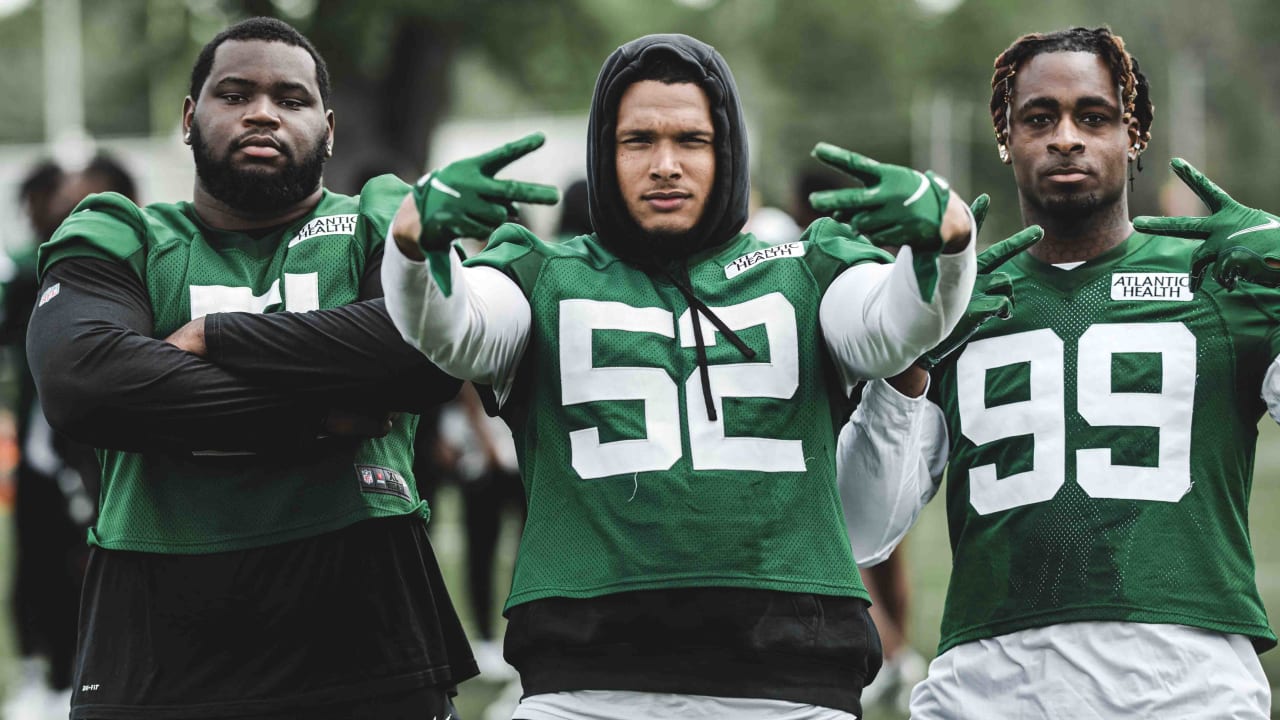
(1134, 89)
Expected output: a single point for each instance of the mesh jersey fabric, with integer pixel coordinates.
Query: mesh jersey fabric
(1102, 444)
(630, 485)
(185, 503)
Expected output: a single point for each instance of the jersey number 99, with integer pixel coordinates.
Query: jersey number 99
(1043, 415)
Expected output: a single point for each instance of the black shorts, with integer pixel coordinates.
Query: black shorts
(298, 629)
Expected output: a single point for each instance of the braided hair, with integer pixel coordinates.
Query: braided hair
(1134, 89)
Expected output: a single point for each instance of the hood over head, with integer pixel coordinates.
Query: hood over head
(725, 211)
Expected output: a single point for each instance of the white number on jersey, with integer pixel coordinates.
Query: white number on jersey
(710, 449)
(301, 292)
(1043, 415)
(581, 383)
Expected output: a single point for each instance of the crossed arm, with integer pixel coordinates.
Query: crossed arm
(350, 354)
(269, 380)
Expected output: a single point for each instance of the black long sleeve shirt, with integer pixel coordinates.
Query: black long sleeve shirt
(268, 380)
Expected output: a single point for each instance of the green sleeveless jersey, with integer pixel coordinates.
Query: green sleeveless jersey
(1102, 444)
(183, 503)
(631, 485)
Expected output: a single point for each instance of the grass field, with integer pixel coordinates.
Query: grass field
(928, 558)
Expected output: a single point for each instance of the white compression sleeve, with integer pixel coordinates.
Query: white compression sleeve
(876, 323)
(1271, 389)
(889, 462)
(478, 332)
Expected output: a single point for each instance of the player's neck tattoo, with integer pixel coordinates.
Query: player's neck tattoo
(1074, 237)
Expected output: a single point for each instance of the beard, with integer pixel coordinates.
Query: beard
(1072, 204)
(1077, 209)
(669, 245)
(256, 191)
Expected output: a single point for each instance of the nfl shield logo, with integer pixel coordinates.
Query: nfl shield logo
(382, 481)
(50, 294)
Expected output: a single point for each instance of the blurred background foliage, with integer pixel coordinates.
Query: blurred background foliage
(904, 81)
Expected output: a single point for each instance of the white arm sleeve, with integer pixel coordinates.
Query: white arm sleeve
(477, 333)
(1271, 389)
(889, 463)
(876, 323)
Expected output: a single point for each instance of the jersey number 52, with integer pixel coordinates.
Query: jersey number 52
(661, 447)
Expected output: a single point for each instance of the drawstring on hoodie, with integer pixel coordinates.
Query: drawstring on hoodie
(725, 209)
(700, 308)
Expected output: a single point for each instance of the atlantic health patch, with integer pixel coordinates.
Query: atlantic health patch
(751, 259)
(326, 225)
(1161, 287)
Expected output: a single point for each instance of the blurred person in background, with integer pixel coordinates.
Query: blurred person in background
(488, 476)
(575, 212)
(769, 224)
(806, 184)
(36, 193)
(1100, 441)
(56, 486)
(260, 550)
(684, 553)
(103, 173)
(46, 540)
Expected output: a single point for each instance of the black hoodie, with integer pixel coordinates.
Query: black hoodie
(725, 211)
(719, 641)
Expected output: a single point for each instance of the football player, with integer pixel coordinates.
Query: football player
(1100, 441)
(261, 548)
(673, 385)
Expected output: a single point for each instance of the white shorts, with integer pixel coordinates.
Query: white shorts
(1097, 671)
(620, 705)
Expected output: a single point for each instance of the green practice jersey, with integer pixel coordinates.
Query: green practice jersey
(1102, 444)
(203, 503)
(631, 484)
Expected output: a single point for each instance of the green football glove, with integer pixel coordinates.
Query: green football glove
(463, 199)
(1240, 243)
(898, 206)
(992, 291)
